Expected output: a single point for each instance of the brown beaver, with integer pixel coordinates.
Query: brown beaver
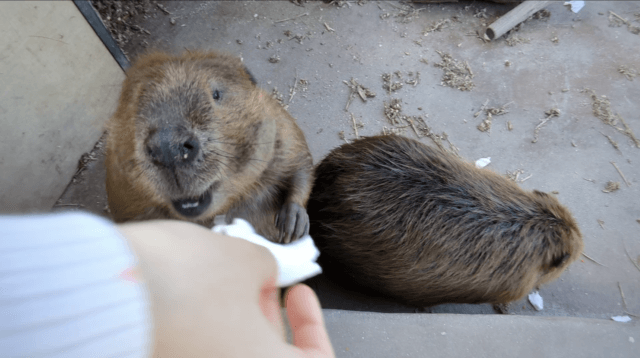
(420, 225)
(194, 137)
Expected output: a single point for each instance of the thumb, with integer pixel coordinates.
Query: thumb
(306, 322)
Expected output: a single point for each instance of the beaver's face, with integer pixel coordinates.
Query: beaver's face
(187, 124)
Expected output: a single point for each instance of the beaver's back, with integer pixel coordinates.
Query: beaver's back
(421, 225)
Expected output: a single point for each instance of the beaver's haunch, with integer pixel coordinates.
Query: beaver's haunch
(420, 225)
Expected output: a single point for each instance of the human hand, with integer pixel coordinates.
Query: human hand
(213, 295)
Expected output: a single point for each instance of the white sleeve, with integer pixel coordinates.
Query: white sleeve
(61, 294)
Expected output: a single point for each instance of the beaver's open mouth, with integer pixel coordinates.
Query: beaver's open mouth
(192, 207)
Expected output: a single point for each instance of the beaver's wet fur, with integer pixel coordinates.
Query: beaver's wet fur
(194, 137)
(415, 223)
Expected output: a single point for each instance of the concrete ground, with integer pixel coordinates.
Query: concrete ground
(367, 335)
(57, 83)
(561, 57)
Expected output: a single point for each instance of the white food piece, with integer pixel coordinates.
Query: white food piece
(575, 5)
(536, 300)
(623, 319)
(483, 162)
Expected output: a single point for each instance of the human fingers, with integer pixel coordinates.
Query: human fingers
(197, 280)
(306, 322)
(270, 306)
(192, 250)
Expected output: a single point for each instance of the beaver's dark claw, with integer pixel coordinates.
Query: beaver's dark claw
(292, 222)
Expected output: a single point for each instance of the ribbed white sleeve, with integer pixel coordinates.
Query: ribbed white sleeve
(61, 294)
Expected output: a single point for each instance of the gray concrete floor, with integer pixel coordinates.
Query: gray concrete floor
(368, 335)
(364, 45)
(49, 114)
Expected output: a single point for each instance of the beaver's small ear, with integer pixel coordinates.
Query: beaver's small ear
(251, 78)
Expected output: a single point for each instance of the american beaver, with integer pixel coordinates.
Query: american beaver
(420, 225)
(194, 137)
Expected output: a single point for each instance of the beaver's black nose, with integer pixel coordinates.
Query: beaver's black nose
(169, 148)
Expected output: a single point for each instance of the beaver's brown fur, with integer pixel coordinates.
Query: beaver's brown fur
(194, 137)
(420, 225)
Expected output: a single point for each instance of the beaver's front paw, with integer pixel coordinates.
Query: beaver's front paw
(293, 222)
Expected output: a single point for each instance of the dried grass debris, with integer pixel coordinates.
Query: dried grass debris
(278, 97)
(406, 14)
(499, 110)
(342, 136)
(628, 72)
(481, 13)
(400, 121)
(389, 84)
(613, 142)
(616, 20)
(356, 125)
(477, 34)
(393, 130)
(87, 158)
(513, 176)
(274, 59)
(161, 7)
(624, 301)
(611, 187)
(620, 172)
(304, 85)
(436, 26)
(601, 108)
(119, 18)
(485, 125)
(543, 14)
(414, 78)
(393, 110)
(298, 37)
(592, 259)
(292, 90)
(457, 74)
(291, 18)
(329, 27)
(551, 113)
(513, 40)
(438, 139)
(356, 88)
(629, 256)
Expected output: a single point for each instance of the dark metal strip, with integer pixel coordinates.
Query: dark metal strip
(93, 18)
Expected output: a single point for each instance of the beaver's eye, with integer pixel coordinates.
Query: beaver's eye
(216, 95)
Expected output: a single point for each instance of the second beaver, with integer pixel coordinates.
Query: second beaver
(194, 137)
(420, 225)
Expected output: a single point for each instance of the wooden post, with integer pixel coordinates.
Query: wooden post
(514, 17)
